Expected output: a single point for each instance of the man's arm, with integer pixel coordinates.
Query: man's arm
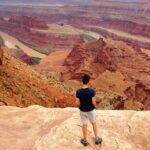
(77, 102)
(94, 101)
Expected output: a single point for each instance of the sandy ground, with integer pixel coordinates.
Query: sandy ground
(111, 81)
(54, 61)
(93, 34)
(57, 29)
(10, 42)
(66, 29)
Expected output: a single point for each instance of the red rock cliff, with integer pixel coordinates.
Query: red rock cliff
(92, 58)
(30, 22)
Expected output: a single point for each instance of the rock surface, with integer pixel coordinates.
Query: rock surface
(38, 128)
(97, 56)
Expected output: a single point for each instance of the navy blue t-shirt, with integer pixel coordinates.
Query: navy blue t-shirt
(85, 96)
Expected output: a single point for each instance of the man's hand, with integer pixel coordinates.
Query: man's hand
(77, 102)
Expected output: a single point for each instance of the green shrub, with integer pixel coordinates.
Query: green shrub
(2, 42)
(38, 50)
(88, 37)
(17, 46)
(36, 59)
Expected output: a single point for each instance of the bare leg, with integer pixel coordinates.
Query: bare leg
(98, 140)
(84, 130)
(95, 129)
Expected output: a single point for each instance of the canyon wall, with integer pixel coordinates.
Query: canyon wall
(30, 22)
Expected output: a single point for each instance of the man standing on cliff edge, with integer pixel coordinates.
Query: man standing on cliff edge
(86, 102)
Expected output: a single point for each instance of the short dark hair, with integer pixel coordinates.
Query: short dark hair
(85, 79)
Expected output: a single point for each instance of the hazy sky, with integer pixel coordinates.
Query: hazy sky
(43, 1)
(58, 1)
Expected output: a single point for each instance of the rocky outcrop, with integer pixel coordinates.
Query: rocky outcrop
(29, 22)
(58, 76)
(96, 57)
(140, 93)
(27, 59)
(36, 127)
(92, 58)
(19, 54)
(21, 86)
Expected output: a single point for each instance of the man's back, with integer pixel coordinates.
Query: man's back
(85, 95)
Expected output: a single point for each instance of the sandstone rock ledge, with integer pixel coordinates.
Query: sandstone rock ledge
(38, 128)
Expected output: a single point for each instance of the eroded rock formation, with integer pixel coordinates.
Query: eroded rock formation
(98, 56)
(29, 22)
(93, 58)
(140, 93)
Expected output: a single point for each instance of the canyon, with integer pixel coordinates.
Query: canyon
(106, 14)
(45, 48)
(39, 41)
(129, 67)
(108, 40)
